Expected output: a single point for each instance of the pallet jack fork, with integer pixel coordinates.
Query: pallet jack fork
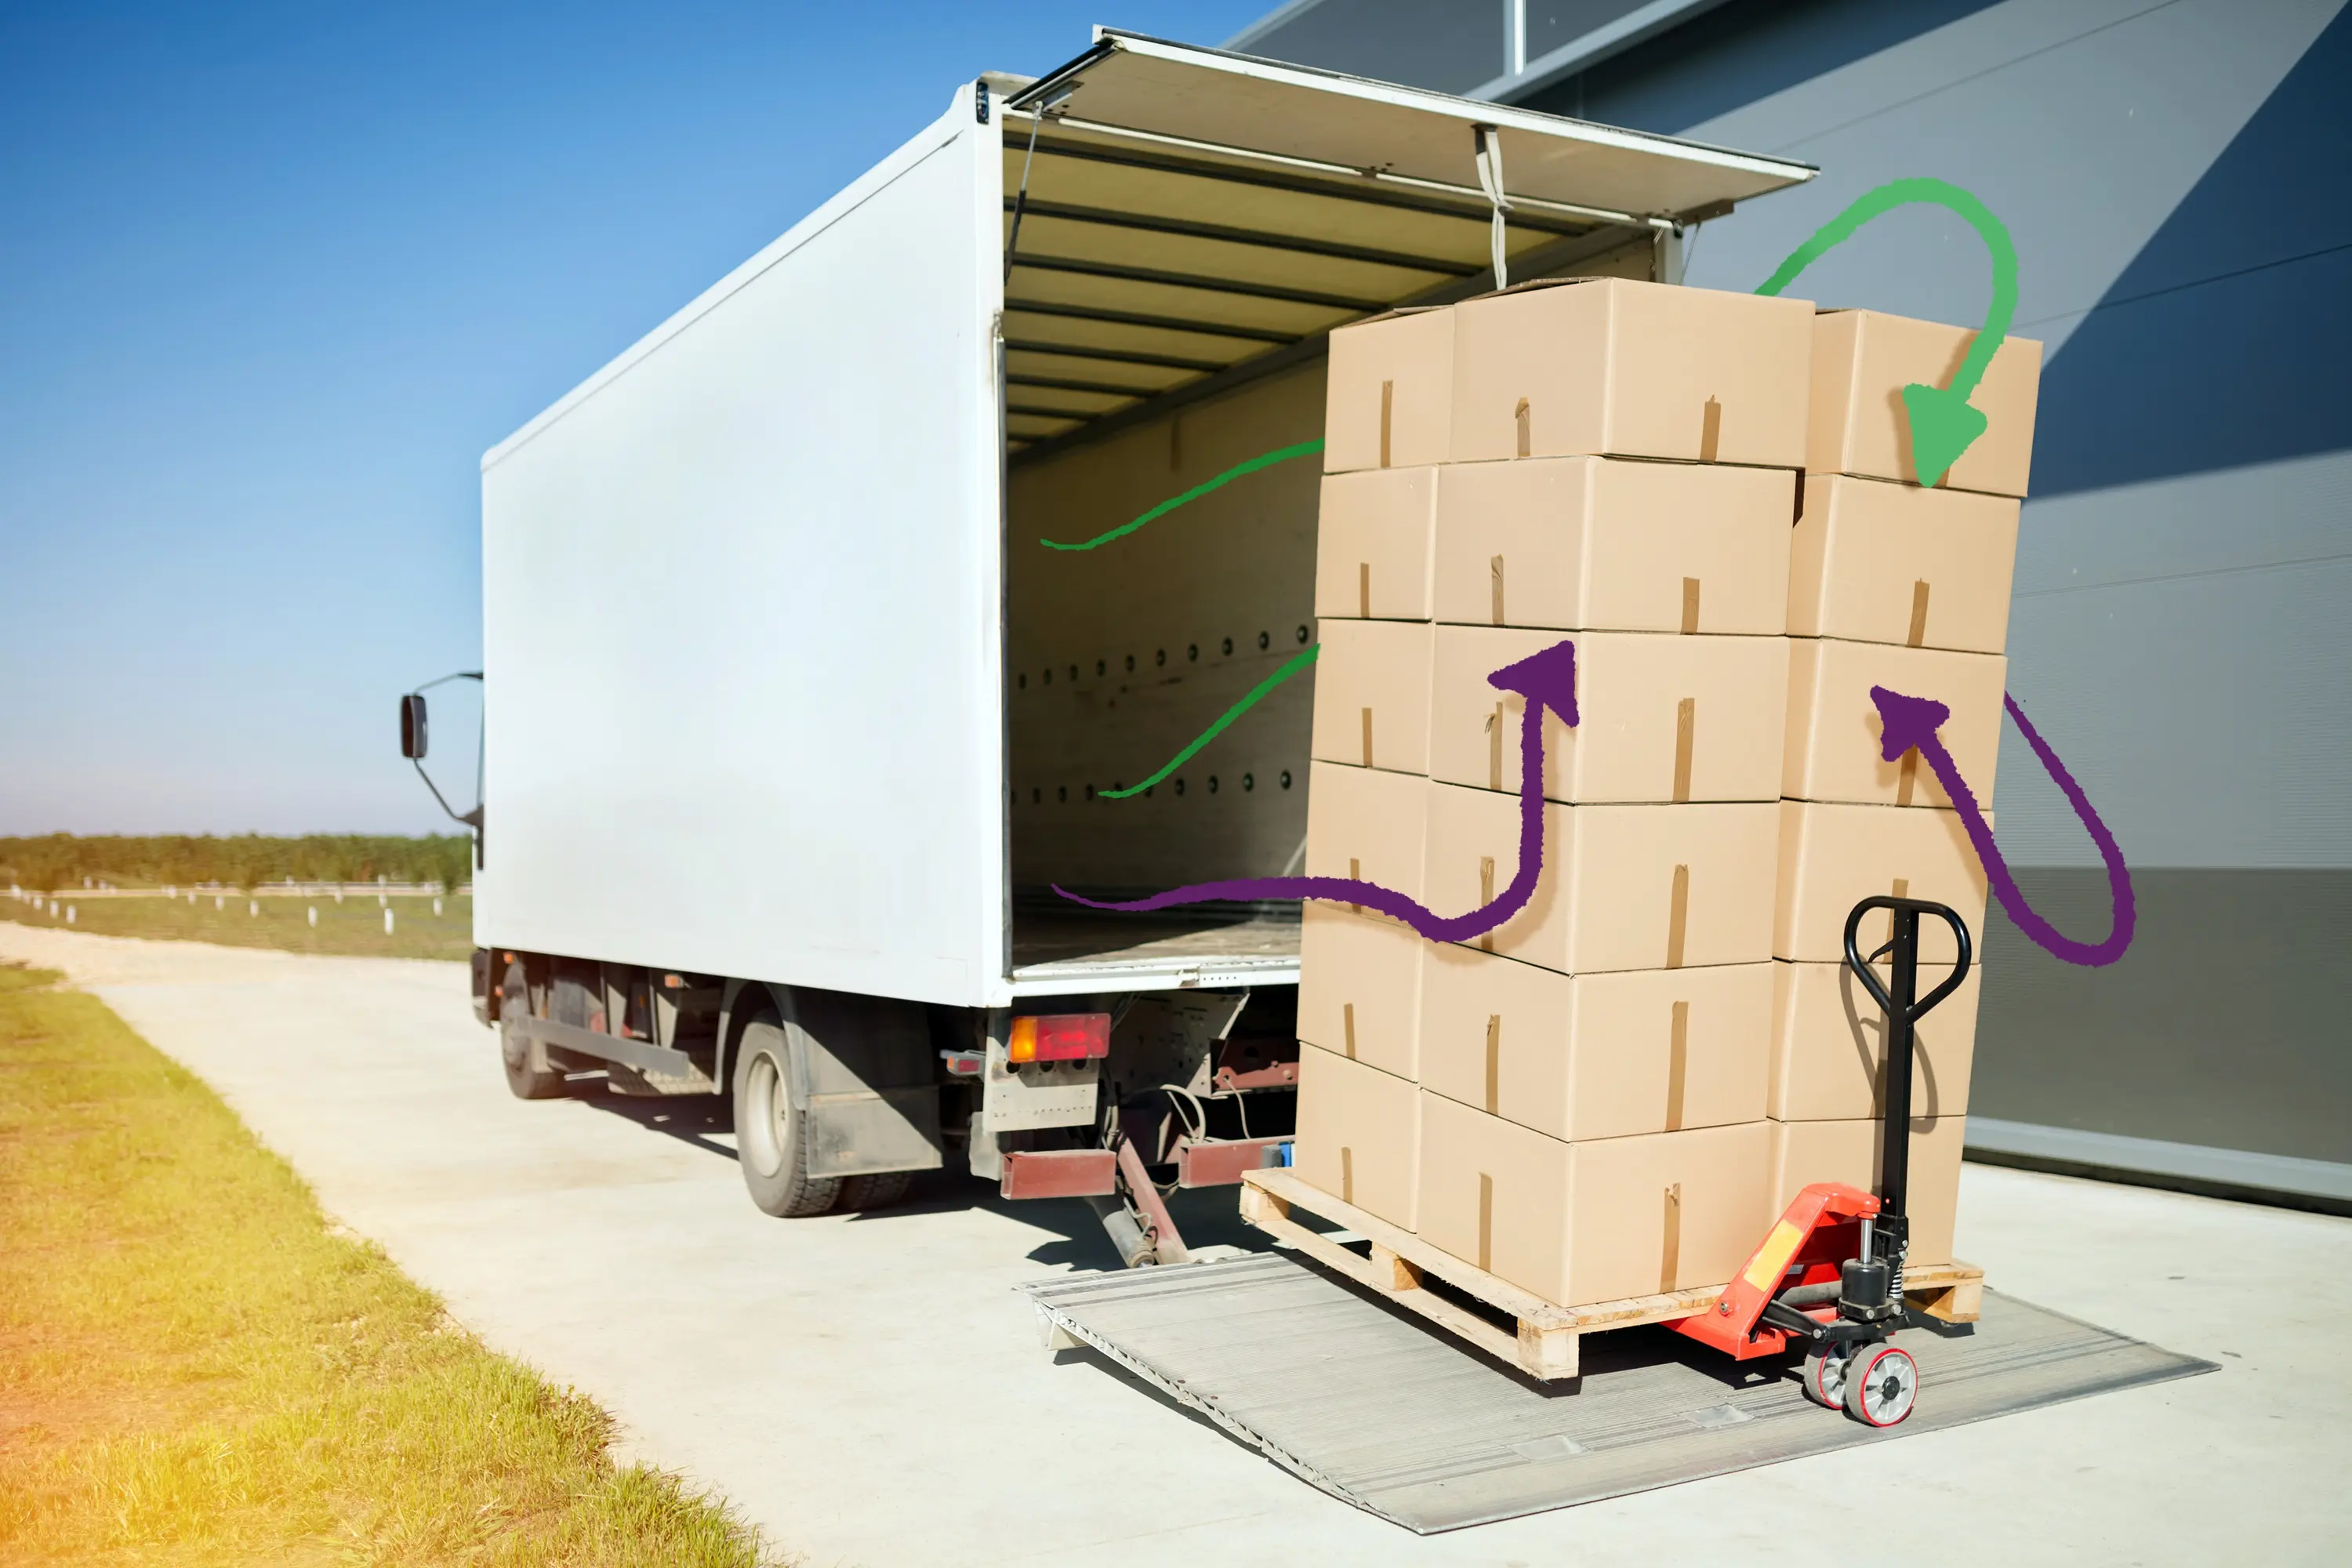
(1830, 1272)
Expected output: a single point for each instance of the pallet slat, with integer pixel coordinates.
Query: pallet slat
(1545, 1345)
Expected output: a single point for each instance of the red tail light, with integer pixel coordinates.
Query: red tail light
(1059, 1038)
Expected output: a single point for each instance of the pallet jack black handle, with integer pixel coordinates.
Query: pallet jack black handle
(1899, 995)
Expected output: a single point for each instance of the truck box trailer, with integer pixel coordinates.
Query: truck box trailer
(792, 721)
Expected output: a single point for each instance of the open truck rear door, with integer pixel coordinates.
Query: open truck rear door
(1184, 228)
(1184, 211)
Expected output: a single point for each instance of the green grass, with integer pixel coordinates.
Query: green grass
(197, 1367)
(353, 926)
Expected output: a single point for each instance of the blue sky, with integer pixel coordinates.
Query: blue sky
(273, 276)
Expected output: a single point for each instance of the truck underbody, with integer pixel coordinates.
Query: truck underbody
(839, 1099)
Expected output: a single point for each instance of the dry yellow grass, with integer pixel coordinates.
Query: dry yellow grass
(195, 1367)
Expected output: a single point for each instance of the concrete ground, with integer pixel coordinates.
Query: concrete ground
(871, 1390)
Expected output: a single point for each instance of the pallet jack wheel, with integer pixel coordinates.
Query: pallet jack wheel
(1824, 1374)
(1882, 1384)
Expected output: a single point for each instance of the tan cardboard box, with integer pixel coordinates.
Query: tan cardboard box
(1804, 1152)
(1861, 362)
(1829, 1044)
(1372, 695)
(1617, 368)
(1833, 857)
(1660, 717)
(1389, 400)
(1372, 544)
(1594, 1056)
(1624, 887)
(1359, 1134)
(1495, 1194)
(1877, 562)
(1368, 824)
(1832, 750)
(1360, 987)
(1576, 543)
(1601, 1221)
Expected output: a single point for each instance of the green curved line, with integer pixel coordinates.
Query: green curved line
(1214, 730)
(1264, 460)
(1938, 193)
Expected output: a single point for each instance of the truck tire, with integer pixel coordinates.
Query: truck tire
(878, 1191)
(514, 1051)
(769, 1142)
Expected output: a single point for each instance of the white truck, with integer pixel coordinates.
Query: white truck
(792, 722)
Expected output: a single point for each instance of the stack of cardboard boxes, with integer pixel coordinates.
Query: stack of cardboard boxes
(1613, 1092)
(1577, 1101)
(1896, 585)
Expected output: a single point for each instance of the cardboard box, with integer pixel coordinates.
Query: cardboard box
(1366, 825)
(1372, 695)
(1389, 401)
(1862, 360)
(1595, 1056)
(1359, 1134)
(1593, 542)
(1360, 987)
(1833, 747)
(1601, 1221)
(1660, 717)
(1624, 887)
(1829, 1045)
(1616, 368)
(1804, 1152)
(1873, 561)
(1372, 544)
(1833, 857)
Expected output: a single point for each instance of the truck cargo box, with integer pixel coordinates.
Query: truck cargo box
(783, 678)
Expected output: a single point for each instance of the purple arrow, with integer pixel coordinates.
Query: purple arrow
(1909, 722)
(1547, 680)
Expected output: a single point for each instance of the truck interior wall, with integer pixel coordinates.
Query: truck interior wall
(1119, 655)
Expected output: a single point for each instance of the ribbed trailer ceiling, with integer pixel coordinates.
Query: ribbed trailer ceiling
(1190, 213)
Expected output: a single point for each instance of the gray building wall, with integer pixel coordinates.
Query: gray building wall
(2176, 177)
(1452, 48)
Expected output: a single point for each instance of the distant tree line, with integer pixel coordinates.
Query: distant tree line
(62, 859)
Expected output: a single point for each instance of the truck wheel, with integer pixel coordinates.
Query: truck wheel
(768, 1134)
(875, 1191)
(514, 1051)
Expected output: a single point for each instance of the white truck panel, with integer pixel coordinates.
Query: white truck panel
(742, 615)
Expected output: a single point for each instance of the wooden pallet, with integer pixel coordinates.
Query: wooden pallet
(1544, 1344)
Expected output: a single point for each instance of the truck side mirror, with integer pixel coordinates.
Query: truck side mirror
(412, 727)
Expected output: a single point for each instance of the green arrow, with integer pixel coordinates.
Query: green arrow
(1213, 732)
(1943, 425)
(1263, 460)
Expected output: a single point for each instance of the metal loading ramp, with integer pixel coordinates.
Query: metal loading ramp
(1371, 1406)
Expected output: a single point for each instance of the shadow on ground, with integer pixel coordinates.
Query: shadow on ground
(1205, 1217)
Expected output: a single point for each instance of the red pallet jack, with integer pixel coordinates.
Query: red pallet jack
(1830, 1273)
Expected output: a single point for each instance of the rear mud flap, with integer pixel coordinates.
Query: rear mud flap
(866, 1131)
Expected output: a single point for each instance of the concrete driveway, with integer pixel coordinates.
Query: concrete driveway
(871, 1391)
